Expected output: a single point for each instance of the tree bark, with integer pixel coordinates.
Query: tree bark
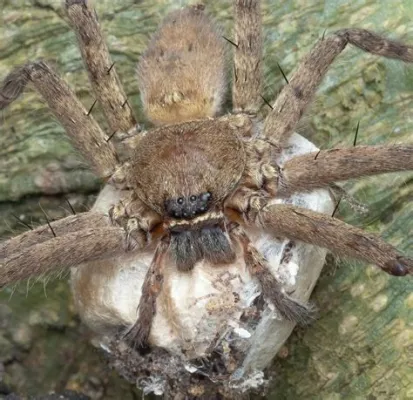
(362, 345)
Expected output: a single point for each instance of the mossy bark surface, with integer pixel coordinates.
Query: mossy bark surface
(362, 345)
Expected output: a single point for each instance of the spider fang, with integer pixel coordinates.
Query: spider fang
(203, 237)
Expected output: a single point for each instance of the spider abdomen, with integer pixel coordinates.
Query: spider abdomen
(182, 50)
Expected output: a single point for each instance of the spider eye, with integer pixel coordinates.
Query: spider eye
(187, 207)
(206, 196)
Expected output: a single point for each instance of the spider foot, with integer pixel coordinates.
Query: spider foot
(292, 310)
(137, 337)
(401, 266)
(272, 290)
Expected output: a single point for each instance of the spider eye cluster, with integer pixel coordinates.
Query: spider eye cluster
(188, 207)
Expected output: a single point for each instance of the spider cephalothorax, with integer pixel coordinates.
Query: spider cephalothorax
(191, 159)
(202, 199)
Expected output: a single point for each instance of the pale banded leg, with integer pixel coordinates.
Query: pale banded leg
(247, 84)
(103, 77)
(71, 224)
(272, 290)
(61, 252)
(324, 231)
(138, 334)
(320, 169)
(296, 96)
(81, 127)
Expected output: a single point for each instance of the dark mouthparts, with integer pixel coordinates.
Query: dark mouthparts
(193, 245)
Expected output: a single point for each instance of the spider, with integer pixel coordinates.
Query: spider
(194, 190)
